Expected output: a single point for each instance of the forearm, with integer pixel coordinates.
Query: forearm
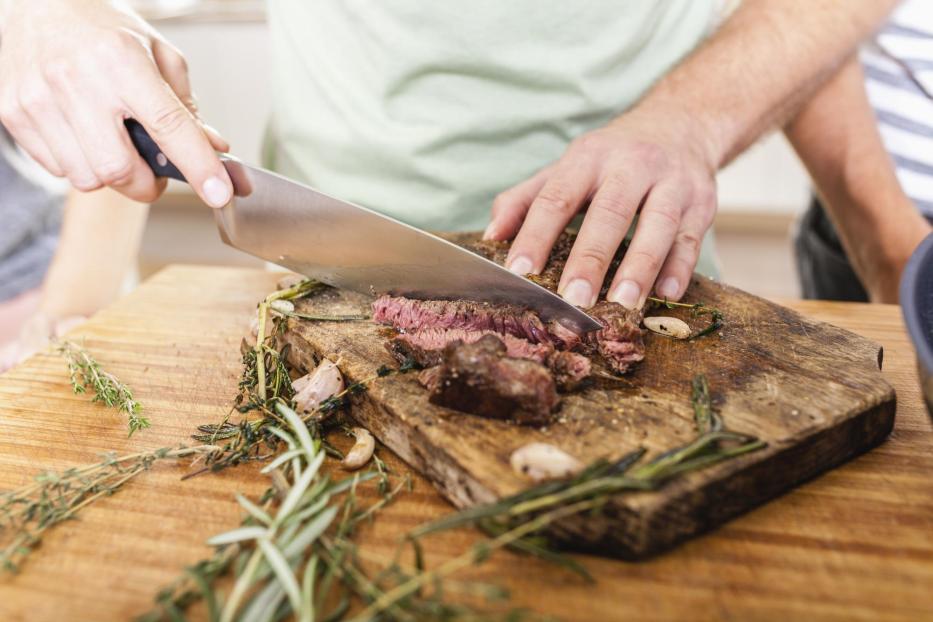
(99, 243)
(762, 64)
(836, 136)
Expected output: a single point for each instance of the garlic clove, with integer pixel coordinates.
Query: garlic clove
(323, 383)
(282, 306)
(540, 461)
(668, 326)
(362, 450)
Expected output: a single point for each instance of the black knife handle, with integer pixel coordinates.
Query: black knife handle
(150, 151)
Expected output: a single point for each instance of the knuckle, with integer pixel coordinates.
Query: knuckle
(646, 261)
(555, 199)
(613, 207)
(85, 183)
(689, 241)
(591, 259)
(12, 114)
(170, 121)
(668, 214)
(115, 172)
(59, 72)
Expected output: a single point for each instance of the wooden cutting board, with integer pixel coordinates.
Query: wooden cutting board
(812, 391)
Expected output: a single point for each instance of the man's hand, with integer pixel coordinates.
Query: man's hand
(71, 71)
(644, 162)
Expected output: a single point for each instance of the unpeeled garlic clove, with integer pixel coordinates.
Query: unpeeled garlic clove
(323, 383)
(669, 326)
(540, 461)
(282, 306)
(362, 450)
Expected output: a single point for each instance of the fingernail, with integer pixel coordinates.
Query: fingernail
(669, 288)
(626, 294)
(490, 230)
(521, 265)
(216, 192)
(579, 293)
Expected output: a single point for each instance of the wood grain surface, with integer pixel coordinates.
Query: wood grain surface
(855, 543)
(813, 392)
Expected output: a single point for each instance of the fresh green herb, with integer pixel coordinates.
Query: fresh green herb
(28, 512)
(86, 373)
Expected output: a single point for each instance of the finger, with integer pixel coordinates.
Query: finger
(510, 207)
(103, 140)
(682, 260)
(657, 226)
(561, 196)
(607, 221)
(172, 126)
(174, 69)
(59, 138)
(30, 141)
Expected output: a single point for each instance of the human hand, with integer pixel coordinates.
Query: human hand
(645, 162)
(73, 70)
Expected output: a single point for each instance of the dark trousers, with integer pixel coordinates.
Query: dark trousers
(822, 265)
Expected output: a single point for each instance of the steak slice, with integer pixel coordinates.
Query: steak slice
(426, 346)
(479, 378)
(408, 314)
(620, 342)
(571, 370)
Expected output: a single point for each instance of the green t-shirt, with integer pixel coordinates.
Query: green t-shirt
(427, 110)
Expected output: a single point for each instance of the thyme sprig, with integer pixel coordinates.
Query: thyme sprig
(544, 504)
(716, 322)
(29, 511)
(86, 373)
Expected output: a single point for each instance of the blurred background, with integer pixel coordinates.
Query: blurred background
(226, 44)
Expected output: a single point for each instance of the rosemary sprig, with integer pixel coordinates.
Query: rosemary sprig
(717, 319)
(28, 512)
(86, 373)
(542, 505)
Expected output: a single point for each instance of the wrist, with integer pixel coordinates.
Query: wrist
(694, 132)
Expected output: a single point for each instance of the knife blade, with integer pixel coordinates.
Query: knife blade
(355, 248)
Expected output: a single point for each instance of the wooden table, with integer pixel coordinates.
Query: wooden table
(855, 544)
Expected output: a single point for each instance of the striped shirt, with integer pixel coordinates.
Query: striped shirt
(898, 67)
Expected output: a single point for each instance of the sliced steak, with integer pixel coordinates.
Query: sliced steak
(620, 342)
(408, 315)
(571, 370)
(430, 377)
(480, 378)
(426, 346)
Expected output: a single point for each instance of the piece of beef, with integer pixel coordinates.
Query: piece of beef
(408, 314)
(620, 342)
(571, 370)
(480, 378)
(426, 346)
(429, 377)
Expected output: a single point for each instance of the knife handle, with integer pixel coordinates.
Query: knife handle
(150, 151)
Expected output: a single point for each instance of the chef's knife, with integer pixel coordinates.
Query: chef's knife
(348, 246)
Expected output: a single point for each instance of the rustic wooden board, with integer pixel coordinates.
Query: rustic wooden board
(813, 392)
(854, 544)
